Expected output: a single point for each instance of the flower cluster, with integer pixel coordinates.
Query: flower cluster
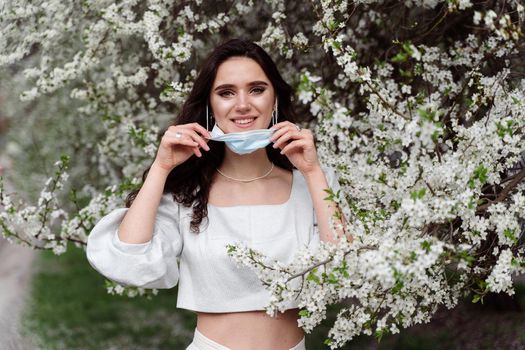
(418, 104)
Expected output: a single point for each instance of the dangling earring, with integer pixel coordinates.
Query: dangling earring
(275, 113)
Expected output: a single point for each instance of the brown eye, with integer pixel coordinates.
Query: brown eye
(258, 90)
(225, 93)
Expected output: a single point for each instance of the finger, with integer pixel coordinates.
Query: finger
(281, 124)
(287, 126)
(199, 139)
(294, 145)
(191, 134)
(197, 152)
(286, 137)
(185, 141)
(279, 133)
(307, 132)
(198, 128)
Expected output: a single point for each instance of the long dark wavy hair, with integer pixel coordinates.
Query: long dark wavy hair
(190, 181)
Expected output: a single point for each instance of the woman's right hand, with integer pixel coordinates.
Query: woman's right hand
(176, 150)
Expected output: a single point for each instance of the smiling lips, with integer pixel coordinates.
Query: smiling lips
(245, 121)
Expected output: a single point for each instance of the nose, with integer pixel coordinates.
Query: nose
(243, 102)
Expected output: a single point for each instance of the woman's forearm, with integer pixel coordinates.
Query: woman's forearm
(137, 225)
(324, 209)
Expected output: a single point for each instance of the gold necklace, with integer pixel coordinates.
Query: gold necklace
(245, 181)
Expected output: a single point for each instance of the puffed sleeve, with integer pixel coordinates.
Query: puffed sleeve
(149, 265)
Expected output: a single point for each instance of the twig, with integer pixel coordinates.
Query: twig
(503, 194)
(324, 262)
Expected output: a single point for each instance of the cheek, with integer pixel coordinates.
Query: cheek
(221, 107)
(265, 104)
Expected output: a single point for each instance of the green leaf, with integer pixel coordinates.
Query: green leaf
(425, 245)
(400, 57)
(510, 234)
(167, 90)
(418, 194)
(379, 334)
(426, 115)
(336, 44)
(231, 249)
(332, 279)
(382, 178)
(313, 277)
(405, 73)
(435, 135)
(395, 205)
(304, 313)
(483, 285)
(65, 159)
(407, 48)
(332, 26)
(505, 129)
(404, 54)
(469, 259)
(480, 174)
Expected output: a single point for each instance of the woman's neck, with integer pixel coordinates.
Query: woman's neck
(245, 166)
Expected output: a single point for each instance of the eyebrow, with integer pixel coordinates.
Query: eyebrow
(229, 86)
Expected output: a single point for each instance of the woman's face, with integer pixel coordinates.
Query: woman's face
(242, 97)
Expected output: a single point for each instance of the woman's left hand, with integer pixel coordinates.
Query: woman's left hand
(297, 145)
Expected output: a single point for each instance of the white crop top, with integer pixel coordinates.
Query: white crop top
(209, 280)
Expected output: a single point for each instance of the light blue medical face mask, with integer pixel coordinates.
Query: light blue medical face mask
(243, 142)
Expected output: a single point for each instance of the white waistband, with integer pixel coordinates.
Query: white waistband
(201, 342)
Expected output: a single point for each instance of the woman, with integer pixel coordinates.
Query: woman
(206, 190)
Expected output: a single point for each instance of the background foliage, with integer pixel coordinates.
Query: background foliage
(417, 103)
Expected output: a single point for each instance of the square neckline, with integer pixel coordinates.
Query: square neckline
(290, 197)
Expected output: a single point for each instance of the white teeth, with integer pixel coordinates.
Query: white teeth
(243, 121)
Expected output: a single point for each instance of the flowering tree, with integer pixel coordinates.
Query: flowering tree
(418, 104)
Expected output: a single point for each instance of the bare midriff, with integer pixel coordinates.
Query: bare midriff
(254, 330)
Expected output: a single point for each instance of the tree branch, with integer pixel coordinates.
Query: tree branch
(517, 179)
